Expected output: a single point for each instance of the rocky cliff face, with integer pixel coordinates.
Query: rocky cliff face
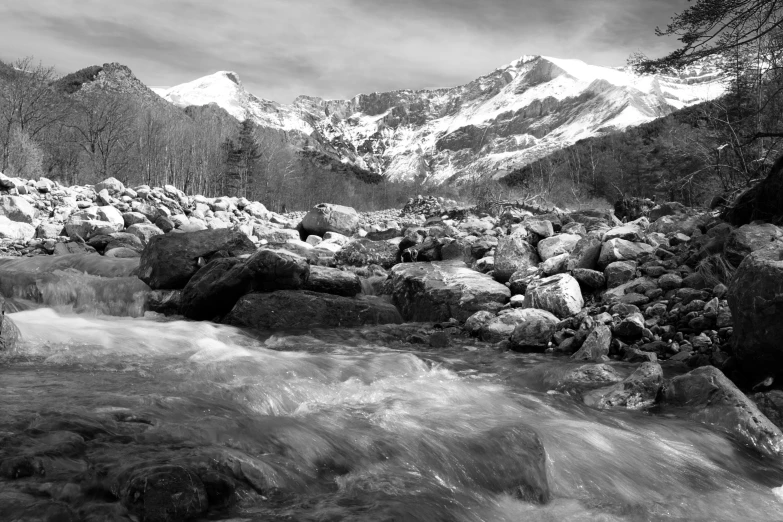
(501, 121)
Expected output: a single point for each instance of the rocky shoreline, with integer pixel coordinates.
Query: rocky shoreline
(677, 291)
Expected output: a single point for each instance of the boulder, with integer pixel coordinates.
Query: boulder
(162, 493)
(756, 301)
(16, 230)
(710, 397)
(277, 270)
(631, 327)
(112, 185)
(749, 238)
(514, 253)
(628, 232)
(559, 294)
(112, 215)
(596, 345)
(275, 235)
(169, 261)
(500, 327)
(619, 272)
(589, 279)
(302, 309)
(476, 322)
(214, 290)
(621, 250)
(639, 390)
(49, 230)
(556, 245)
(17, 209)
(144, 231)
(122, 253)
(331, 218)
(585, 254)
(442, 290)
(534, 330)
(363, 252)
(333, 281)
(9, 334)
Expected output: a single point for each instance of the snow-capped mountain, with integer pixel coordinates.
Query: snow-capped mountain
(512, 116)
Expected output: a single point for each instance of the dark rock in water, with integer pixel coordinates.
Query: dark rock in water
(710, 397)
(756, 302)
(302, 309)
(163, 493)
(362, 252)
(9, 334)
(439, 291)
(164, 302)
(214, 290)
(749, 238)
(509, 460)
(333, 281)
(589, 375)
(169, 261)
(439, 340)
(638, 390)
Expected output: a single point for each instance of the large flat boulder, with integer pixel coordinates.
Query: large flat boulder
(169, 261)
(303, 309)
(442, 290)
(756, 301)
(710, 397)
(749, 238)
(326, 217)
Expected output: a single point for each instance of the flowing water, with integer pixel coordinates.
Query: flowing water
(341, 425)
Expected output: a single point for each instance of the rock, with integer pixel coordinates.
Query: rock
(144, 231)
(589, 375)
(621, 250)
(165, 302)
(770, 403)
(710, 397)
(554, 265)
(501, 327)
(543, 228)
(167, 225)
(214, 290)
(112, 185)
(596, 345)
(169, 261)
(15, 230)
(585, 254)
(512, 254)
(556, 245)
(442, 290)
(276, 235)
(534, 330)
(756, 301)
(63, 249)
(638, 390)
(9, 334)
(669, 282)
(631, 327)
(277, 270)
(627, 232)
(476, 322)
(749, 238)
(122, 253)
(163, 493)
(84, 229)
(559, 294)
(326, 217)
(363, 252)
(112, 215)
(302, 309)
(619, 272)
(49, 230)
(520, 279)
(589, 279)
(17, 209)
(333, 281)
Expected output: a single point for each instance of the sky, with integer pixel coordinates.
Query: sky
(333, 49)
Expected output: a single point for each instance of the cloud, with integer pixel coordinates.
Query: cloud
(334, 48)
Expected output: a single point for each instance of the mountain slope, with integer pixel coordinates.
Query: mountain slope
(503, 120)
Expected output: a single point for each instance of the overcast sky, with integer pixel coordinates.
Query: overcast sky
(327, 48)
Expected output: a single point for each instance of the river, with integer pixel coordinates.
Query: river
(350, 424)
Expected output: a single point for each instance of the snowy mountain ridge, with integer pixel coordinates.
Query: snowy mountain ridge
(514, 115)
